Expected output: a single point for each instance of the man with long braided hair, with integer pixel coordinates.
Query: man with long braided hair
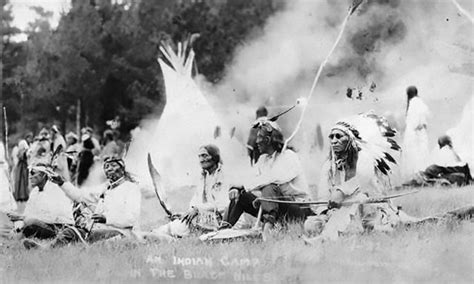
(279, 176)
(207, 204)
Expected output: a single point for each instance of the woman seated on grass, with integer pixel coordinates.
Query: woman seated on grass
(447, 167)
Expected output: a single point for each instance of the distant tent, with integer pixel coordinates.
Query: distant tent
(188, 121)
(463, 136)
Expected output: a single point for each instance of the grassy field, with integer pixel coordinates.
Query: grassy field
(441, 253)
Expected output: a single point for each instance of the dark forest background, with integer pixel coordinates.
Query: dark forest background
(100, 62)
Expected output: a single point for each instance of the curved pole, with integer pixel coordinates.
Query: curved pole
(318, 74)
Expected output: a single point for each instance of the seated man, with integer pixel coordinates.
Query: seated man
(447, 167)
(48, 209)
(357, 168)
(102, 212)
(279, 176)
(208, 203)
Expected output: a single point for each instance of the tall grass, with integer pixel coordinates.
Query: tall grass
(434, 253)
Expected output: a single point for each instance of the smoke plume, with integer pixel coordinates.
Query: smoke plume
(388, 45)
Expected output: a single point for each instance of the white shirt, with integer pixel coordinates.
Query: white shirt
(447, 157)
(50, 205)
(214, 187)
(283, 169)
(121, 205)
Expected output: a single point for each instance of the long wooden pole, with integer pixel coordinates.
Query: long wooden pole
(320, 70)
(78, 118)
(5, 121)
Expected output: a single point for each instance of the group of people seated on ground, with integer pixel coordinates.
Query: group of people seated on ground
(362, 152)
(63, 213)
(80, 155)
(447, 167)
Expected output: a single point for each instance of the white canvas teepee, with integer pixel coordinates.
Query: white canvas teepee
(188, 121)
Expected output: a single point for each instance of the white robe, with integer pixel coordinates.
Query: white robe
(415, 152)
(283, 169)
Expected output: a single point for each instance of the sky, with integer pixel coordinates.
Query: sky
(22, 14)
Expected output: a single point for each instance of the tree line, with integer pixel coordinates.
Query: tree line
(100, 61)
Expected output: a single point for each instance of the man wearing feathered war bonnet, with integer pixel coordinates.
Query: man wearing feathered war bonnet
(361, 151)
(108, 210)
(279, 176)
(358, 167)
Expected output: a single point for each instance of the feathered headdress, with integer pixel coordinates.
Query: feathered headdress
(371, 133)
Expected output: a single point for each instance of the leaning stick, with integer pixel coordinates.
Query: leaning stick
(318, 74)
(381, 199)
(259, 216)
(6, 133)
(155, 178)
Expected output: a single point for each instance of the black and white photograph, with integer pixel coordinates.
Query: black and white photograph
(237, 141)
